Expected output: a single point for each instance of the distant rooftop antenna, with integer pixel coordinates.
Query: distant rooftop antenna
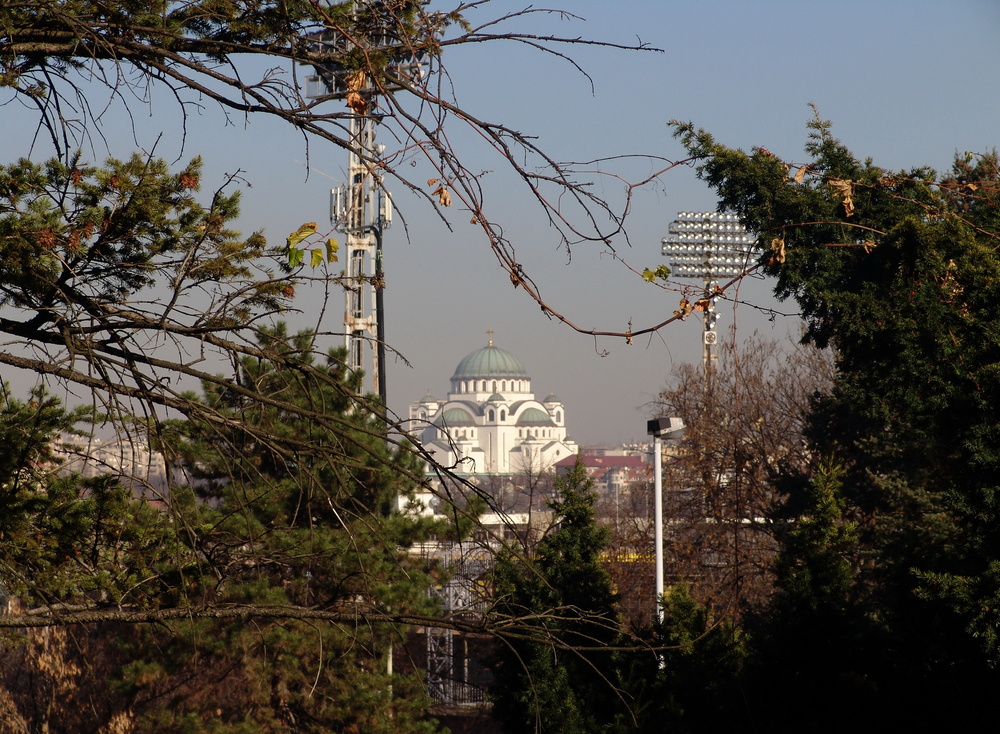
(362, 207)
(708, 246)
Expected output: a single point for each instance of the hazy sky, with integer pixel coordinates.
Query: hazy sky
(905, 82)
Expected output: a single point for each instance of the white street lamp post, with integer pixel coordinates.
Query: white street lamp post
(658, 428)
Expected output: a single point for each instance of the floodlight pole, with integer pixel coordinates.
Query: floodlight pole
(707, 246)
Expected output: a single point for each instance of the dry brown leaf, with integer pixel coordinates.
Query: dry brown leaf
(684, 309)
(357, 103)
(868, 245)
(703, 304)
(355, 83)
(800, 174)
(444, 198)
(474, 220)
(432, 181)
(778, 245)
(845, 190)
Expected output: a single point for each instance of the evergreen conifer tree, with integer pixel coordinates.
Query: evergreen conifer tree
(898, 271)
(551, 675)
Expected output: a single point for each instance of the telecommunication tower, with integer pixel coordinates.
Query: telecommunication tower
(708, 246)
(361, 208)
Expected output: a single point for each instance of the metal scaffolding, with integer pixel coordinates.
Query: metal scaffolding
(448, 680)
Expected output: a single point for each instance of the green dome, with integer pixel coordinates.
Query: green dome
(489, 362)
(534, 417)
(454, 417)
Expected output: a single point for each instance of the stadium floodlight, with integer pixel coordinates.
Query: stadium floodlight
(708, 246)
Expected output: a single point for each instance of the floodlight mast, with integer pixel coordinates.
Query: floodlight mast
(362, 207)
(707, 246)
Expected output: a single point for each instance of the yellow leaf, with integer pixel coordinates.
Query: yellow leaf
(648, 275)
(317, 258)
(331, 250)
(306, 230)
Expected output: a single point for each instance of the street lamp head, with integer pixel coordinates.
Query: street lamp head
(664, 426)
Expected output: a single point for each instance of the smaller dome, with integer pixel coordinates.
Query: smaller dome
(495, 398)
(552, 399)
(455, 417)
(534, 417)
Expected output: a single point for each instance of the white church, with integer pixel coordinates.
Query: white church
(491, 422)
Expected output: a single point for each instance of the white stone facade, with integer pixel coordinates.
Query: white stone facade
(491, 423)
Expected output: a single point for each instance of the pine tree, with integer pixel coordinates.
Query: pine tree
(551, 675)
(292, 530)
(898, 271)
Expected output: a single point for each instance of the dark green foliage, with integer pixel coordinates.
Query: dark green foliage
(898, 271)
(77, 240)
(696, 685)
(65, 538)
(260, 526)
(314, 528)
(551, 675)
(811, 643)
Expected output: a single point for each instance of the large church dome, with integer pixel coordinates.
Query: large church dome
(489, 362)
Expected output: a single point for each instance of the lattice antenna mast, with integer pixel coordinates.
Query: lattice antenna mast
(707, 246)
(362, 207)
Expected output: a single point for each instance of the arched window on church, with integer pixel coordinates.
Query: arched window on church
(503, 414)
(490, 415)
(503, 385)
(558, 416)
(483, 386)
(494, 385)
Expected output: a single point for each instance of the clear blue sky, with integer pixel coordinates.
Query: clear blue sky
(905, 82)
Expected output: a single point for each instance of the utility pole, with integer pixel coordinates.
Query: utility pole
(707, 246)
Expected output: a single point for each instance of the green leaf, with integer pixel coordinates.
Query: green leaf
(648, 275)
(295, 257)
(306, 230)
(317, 258)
